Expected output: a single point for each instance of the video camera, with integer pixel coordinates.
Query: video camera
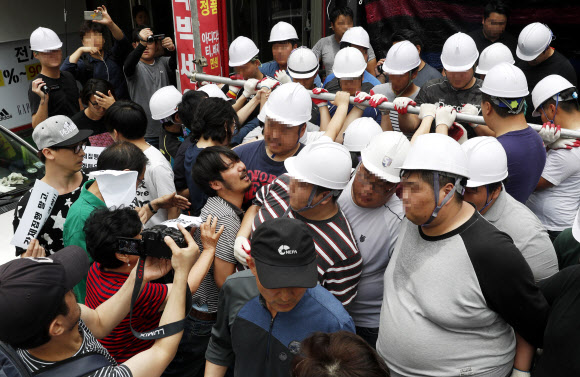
(151, 243)
(153, 38)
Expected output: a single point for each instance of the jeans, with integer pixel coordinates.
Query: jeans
(190, 358)
(369, 334)
(153, 141)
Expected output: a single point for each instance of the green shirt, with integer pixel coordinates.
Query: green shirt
(73, 233)
(567, 249)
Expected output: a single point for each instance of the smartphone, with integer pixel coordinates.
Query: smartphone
(91, 15)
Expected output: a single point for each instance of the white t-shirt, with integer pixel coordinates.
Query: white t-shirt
(158, 182)
(556, 206)
(376, 231)
(387, 90)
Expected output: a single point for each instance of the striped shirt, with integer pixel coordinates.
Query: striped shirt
(229, 216)
(121, 343)
(339, 261)
(387, 91)
(90, 344)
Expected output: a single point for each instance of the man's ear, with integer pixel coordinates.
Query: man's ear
(56, 327)
(485, 108)
(134, 44)
(252, 265)
(216, 185)
(48, 154)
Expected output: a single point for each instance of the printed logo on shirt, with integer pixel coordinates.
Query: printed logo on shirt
(5, 115)
(285, 250)
(362, 238)
(466, 371)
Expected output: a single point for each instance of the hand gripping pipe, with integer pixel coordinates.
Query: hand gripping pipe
(572, 134)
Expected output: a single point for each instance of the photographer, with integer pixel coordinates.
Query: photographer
(93, 60)
(39, 315)
(112, 268)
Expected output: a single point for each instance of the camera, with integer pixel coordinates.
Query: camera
(47, 89)
(380, 69)
(153, 38)
(152, 242)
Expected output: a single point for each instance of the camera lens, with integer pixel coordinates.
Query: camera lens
(150, 39)
(44, 89)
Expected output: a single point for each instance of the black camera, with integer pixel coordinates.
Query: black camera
(153, 38)
(152, 242)
(380, 69)
(47, 89)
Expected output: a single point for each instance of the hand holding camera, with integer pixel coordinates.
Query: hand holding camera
(183, 257)
(40, 88)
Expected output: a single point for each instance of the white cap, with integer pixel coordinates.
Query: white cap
(58, 131)
(576, 227)
(384, 154)
(437, 152)
(459, 53)
(357, 36)
(214, 91)
(486, 161)
(533, 40)
(282, 31)
(493, 55)
(548, 88)
(324, 164)
(164, 102)
(302, 63)
(349, 62)
(506, 81)
(241, 51)
(289, 104)
(44, 40)
(401, 58)
(360, 132)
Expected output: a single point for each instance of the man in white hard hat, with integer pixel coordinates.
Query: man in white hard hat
(495, 18)
(487, 164)
(53, 92)
(164, 104)
(445, 286)
(539, 59)
(459, 88)
(309, 192)
(284, 40)
(492, 56)
(375, 214)
(557, 196)
(341, 19)
(502, 106)
(358, 38)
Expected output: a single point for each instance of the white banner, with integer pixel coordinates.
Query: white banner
(40, 203)
(91, 156)
(117, 187)
(183, 220)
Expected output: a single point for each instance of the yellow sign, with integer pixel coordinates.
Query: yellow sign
(1, 79)
(32, 70)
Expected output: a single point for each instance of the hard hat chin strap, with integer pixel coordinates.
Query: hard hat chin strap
(447, 197)
(487, 200)
(309, 205)
(555, 111)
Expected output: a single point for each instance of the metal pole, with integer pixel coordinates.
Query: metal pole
(572, 134)
(196, 35)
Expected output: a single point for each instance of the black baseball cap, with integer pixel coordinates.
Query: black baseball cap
(33, 288)
(283, 250)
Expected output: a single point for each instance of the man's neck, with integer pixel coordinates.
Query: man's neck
(410, 90)
(569, 121)
(234, 198)
(449, 219)
(59, 348)
(422, 65)
(204, 143)
(502, 126)
(91, 115)
(321, 212)
(259, 75)
(139, 143)
(94, 189)
(488, 37)
(63, 181)
(282, 156)
(336, 38)
(148, 61)
(52, 72)
(284, 67)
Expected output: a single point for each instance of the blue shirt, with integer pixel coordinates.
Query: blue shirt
(526, 157)
(270, 68)
(197, 197)
(367, 77)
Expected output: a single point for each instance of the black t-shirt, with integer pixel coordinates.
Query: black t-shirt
(562, 335)
(83, 122)
(169, 143)
(557, 64)
(63, 97)
(482, 42)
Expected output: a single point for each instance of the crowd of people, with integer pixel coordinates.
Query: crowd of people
(336, 238)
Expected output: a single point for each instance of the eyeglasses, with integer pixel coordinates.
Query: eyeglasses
(77, 148)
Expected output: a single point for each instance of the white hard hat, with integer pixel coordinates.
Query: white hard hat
(401, 58)
(547, 88)
(44, 40)
(282, 31)
(241, 51)
(214, 91)
(437, 152)
(492, 56)
(506, 81)
(289, 104)
(384, 154)
(360, 132)
(533, 40)
(357, 36)
(302, 63)
(459, 53)
(349, 62)
(486, 161)
(164, 101)
(324, 164)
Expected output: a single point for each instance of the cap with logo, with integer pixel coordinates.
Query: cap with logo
(283, 250)
(33, 288)
(58, 131)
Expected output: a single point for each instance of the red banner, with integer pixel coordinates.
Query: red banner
(209, 38)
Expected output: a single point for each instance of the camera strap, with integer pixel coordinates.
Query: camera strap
(161, 331)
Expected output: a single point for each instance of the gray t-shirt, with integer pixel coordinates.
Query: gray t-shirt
(387, 90)
(528, 234)
(327, 47)
(425, 75)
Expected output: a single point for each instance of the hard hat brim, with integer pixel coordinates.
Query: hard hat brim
(52, 48)
(461, 68)
(341, 75)
(268, 113)
(303, 75)
(242, 62)
(524, 57)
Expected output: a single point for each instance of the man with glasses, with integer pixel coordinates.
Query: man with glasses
(375, 215)
(60, 144)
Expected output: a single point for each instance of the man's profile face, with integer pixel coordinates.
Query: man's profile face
(494, 25)
(476, 196)
(235, 177)
(418, 198)
(248, 70)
